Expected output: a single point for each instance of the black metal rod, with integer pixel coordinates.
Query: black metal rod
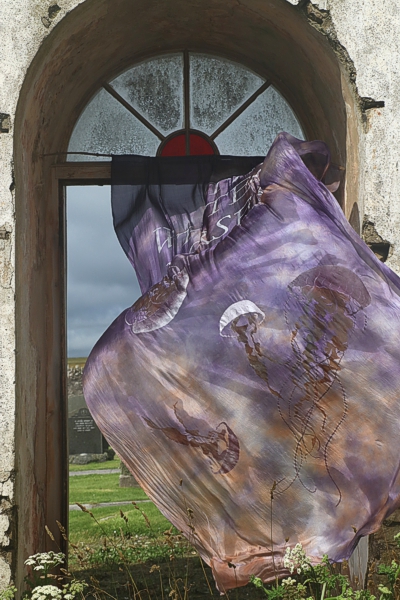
(132, 110)
(241, 109)
(76, 152)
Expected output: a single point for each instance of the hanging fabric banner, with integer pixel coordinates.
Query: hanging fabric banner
(256, 380)
(159, 203)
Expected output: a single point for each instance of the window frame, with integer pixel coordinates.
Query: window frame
(187, 128)
(55, 428)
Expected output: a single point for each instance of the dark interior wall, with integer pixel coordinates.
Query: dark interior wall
(93, 43)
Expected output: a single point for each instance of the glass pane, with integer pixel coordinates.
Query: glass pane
(198, 146)
(105, 126)
(255, 129)
(217, 88)
(155, 89)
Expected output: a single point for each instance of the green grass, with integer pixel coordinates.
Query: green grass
(124, 552)
(78, 361)
(110, 533)
(83, 528)
(92, 489)
(109, 464)
(111, 536)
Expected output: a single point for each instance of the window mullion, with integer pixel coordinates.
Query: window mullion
(186, 98)
(132, 110)
(241, 109)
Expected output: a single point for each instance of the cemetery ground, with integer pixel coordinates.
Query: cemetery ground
(132, 551)
(93, 489)
(94, 466)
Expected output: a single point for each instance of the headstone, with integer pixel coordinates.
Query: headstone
(84, 435)
(75, 403)
(126, 479)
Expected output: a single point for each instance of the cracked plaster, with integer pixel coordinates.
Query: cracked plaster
(369, 32)
(367, 29)
(21, 32)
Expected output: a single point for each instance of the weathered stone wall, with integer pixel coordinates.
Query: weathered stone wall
(24, 24)
(364, 35)
(368, 31)
(74, 380)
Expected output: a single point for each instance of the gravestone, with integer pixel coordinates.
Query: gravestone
(75, 403)
(126, 479)
(84, 435)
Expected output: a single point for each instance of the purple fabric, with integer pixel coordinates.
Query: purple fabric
(257, 383)
(164, 206)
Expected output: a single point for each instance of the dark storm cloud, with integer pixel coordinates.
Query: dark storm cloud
(101, 281)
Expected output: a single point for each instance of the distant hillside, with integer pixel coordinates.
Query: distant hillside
(77, 362)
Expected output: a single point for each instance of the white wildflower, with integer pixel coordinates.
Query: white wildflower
(295, 559)
(288, 582)
(46, 592)
(43, 561)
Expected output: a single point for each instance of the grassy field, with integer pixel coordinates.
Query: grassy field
(95, 466)
(83, 527)
(78, 361)
(123, 557)
(92, 489)
(102, 534)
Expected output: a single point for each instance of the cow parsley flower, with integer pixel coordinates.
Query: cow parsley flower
(296, 560)
(43, 561)
(46, 592)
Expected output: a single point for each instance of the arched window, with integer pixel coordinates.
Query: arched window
(180, 104)
(88, 47)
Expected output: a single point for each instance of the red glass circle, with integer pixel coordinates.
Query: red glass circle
(199, 145)
(176, 146)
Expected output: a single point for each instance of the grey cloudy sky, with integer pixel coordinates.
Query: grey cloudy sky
(101, 282)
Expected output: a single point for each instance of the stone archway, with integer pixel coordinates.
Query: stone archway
(92, 43)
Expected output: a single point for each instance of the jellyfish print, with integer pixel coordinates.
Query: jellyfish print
(323, 309)
(256, 380)
(219, 444)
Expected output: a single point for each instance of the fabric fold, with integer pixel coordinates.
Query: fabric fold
(256, 380)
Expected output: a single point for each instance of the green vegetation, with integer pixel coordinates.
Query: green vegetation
(136, 531)
(133, 552)
(78, 361)
(95, 466)
(107, 522)
(136, 554)
(92, 489)
(313, 582)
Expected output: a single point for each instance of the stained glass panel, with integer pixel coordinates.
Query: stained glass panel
(155, 89)
(217, 88)
(105, 126)
(253, 132)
